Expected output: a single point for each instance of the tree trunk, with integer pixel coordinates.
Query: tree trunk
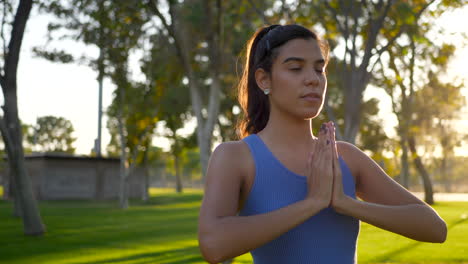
(404, 174)
(123, 190)
(25, 204)
(428, 192)
(11, 131)
(183, 46)
(445, 166)
(145, 193)
(177, 172)
(444, 172)
(12, 188)
(356, 82)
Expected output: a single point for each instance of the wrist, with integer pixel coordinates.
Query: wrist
(344, 204)
(317, 204)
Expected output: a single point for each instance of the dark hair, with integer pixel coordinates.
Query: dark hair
(261, 51)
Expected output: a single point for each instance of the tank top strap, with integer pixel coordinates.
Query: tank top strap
(260, 153)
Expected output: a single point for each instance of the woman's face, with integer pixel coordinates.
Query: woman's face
(298, 81)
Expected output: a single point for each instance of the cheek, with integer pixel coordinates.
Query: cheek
(324, 81)
(283, 80)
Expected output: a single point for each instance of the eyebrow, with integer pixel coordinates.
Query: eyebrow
(319, 61)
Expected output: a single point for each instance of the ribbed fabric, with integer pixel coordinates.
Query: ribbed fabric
(327, 237)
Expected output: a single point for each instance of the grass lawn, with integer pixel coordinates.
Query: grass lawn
(163, 231)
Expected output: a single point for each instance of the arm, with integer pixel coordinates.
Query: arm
(223, 234)
(386, 204)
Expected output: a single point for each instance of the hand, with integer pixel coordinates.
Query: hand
(338, 195)
(320, 169)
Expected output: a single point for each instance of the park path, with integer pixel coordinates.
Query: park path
(446, 197)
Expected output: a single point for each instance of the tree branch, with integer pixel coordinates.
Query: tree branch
(354, 36)
(2, 35)
(372, 37)
(259, 12)
(402, 30)
(331, 115)
(172, 32)
(6, 135)
(343, 30)
(14, 47)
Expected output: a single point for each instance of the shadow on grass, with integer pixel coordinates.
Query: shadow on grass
(85, 225)
(171, 199)
(388, 256)
(173, 256)
(459, 221)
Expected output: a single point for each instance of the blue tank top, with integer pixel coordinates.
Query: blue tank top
(327, 237)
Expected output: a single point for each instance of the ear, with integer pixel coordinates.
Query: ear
(263, 79)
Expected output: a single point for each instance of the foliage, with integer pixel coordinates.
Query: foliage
(361, 35)
(51, 134)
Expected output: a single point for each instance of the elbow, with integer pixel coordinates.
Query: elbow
(441, 235)
(209, 250)
(438, 233)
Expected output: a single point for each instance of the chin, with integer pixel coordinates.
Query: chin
(308, 116)
(311, 113)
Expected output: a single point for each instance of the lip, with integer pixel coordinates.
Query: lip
(313, 97)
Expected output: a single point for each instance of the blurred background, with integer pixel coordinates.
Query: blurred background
(139, 93)
(396, 76)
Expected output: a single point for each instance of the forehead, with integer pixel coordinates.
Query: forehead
(308, 49)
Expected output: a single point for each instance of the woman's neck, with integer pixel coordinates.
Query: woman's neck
(288, 131)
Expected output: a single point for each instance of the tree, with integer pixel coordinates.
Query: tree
(115, 27)
(163, 69)
(409, 59)
(52, 134)
(436, 124)
(184, 30)
(359, 33)
(126, 22)
(365, 30)
(174, 121)
(10, 125)
(86, 19)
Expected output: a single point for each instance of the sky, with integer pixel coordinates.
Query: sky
(71, 90)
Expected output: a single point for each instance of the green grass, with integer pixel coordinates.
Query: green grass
(163, 231)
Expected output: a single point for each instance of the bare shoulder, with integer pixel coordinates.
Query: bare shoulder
(346, 148)
(232, 155)
(231, 148)
(225, 177)
(230, 161)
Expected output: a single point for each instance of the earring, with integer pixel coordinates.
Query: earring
(266, 91)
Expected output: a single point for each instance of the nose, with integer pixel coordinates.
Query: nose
(312, 78)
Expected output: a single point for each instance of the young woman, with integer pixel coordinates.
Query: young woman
(284, 194)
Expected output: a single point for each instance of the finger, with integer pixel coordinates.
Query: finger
(328, 140)
(333, 139)
(337, 169)
(327, 146)
(322, 131)
(322, 137)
